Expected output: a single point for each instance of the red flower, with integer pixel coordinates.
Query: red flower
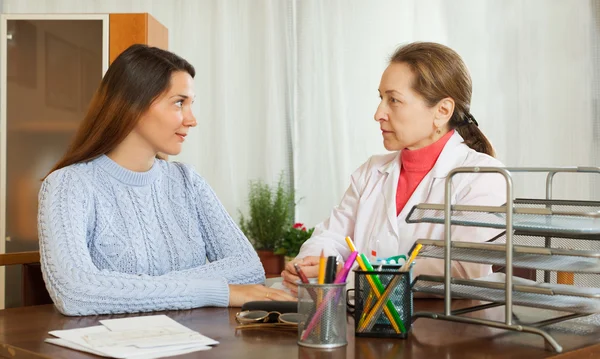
(300, 226)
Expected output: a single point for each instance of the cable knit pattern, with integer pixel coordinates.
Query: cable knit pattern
(118, 241)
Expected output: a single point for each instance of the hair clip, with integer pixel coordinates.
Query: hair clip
(470, 119)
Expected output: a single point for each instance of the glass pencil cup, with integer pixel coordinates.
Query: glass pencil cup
(393, 319)
(322, 308)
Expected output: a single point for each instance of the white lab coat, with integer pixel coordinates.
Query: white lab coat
(367, 212)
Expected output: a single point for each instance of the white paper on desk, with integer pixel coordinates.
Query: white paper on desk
(68, 344)
(145, 338)
(76, 336)
(125, 329)
(151, 331)
(149, 321)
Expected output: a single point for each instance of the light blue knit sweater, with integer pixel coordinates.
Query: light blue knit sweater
(118, 241)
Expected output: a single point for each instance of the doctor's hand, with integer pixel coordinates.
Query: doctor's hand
(310, 267)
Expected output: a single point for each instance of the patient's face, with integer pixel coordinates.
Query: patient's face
(164, 126)
(405, 119)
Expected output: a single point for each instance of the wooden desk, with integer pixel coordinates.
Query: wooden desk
(22, 333)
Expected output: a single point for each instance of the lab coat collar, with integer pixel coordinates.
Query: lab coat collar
(453, 155)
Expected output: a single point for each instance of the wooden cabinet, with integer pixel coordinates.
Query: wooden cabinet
(51, 66)
(128, 29)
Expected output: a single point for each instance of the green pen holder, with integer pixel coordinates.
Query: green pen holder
(401, 299)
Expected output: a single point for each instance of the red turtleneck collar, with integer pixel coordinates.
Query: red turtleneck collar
(415, 165)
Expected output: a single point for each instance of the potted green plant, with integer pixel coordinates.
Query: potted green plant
(293, 239)
(270, 215)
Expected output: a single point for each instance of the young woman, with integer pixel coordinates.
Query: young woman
(122, 231)
(424, 117)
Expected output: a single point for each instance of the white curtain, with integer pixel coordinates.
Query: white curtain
(265, 64)
(531, 64)
(241, 54)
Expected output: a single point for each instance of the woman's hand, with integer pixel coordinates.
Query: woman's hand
(242, 293)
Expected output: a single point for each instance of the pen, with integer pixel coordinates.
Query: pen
(330, 269)
(320, 280)
(369, 321)
(378, 288)
(413, 255)
(374, 288)
(343, 274)
(370, 300)
(350, 244)
(322, 265)
(304, 279)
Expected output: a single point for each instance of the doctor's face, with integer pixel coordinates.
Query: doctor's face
(405, 119)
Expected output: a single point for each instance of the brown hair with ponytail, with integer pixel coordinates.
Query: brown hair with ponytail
(440, 73)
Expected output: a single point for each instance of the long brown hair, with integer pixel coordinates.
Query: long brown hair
(138, 76)
(440, 73)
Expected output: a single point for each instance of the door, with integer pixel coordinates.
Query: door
(51, 67)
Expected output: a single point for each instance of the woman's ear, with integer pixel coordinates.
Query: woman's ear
(443, 112)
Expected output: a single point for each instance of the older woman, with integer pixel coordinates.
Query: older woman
(424, 117)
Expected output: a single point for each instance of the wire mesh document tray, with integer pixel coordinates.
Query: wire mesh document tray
(552, 259)
(547, 235)
(555, 297)
(535, 216)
